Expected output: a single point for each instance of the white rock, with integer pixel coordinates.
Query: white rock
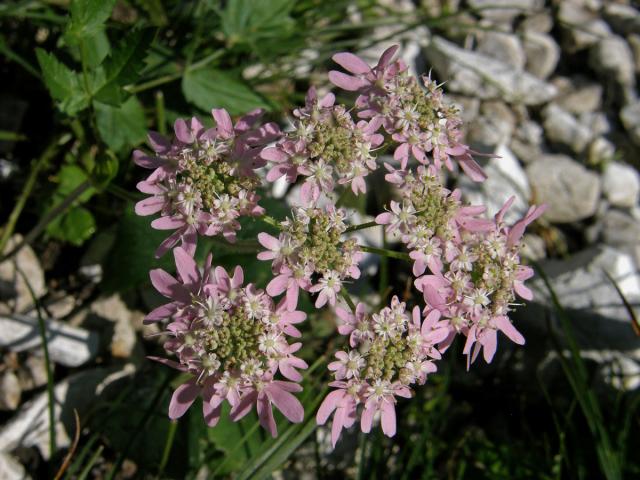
(630, 116)
(68, 346)
(581, 27)
(493, 127)
(582, 286)
(578, 96)
(542, 54)
(506, 178)
(504, 11)
(11, 469)
(570, 190)
(613, 60)
(474, 74)
(114, 310)
(620, 229)
(624, 19)
(563, 128)
(621, 184)
(505, 47)
(29, 427)
(527, 141)
(634, 43)
(601, 151)
(13, 288)
(10, 391)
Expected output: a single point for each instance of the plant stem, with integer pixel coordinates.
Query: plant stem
(362, 226)
(47, 155)
(42, 328)
(344, 294)
(386, 253)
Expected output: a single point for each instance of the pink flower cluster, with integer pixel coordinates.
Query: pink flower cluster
(232, 340)
(389, 351)
(325, 146)
(203, 179)
(309, 243)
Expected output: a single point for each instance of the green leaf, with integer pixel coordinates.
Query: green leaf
(132, 255)
(249, 21)
(122, 66)
(63, 83)
(87, 18)
(75, 227)
(208, 88)
(235, 439)
(121, 126)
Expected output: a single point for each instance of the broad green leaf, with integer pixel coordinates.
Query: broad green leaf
(88, 17)
(63, 83)
(69, 178)
(249, 21)
(76, 226)
(235, 439)
(132, 255)
(95, 47)
(122, 66)
(121, 126)
(208, 88)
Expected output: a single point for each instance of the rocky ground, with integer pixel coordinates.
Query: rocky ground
(549, 88)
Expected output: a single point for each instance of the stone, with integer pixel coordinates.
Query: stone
(69, 346)
(542, 53)
(540, 22)
(505, 47)
(624, 19)
(579, 96)
(506, 178)
(563, 128)
(569, 189)
(14, 293)
(630, 116)
(634, 44)
(10, 391)
(114, 310)
(32, 373)
(11, 469)
(620, 229)
(601, 151)
(533, 247)
(621, 184)
(494, 126)
(600, 319)
(613, 60)
(29, 427)
(504, 11)
(527, 141)
(581, 28)
(475, 74)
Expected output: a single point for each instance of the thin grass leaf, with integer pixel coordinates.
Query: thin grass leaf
(92, 461)
(635, 323)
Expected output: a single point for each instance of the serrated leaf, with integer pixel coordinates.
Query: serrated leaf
(122, 66)
(87, 18)
(76, 226)
(209, 88)
(63, 83)
(121, 126)
(246, 20)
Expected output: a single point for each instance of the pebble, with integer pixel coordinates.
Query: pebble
(14, 293)
(630, 116)
(505, 47)
(10, 391)
(569, 189)
(542, 53)
(621, 184)
(563, 128)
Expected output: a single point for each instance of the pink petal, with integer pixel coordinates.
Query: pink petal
(167, 223)
(149, 206)
(211, 413)
(161, 313)
(183, 132)
(387, 55)
(289, 405)
(506, 327)
(182, 399)
(163, 282)
(329, 404)
(265, 414)
(346, 82)
(366, 420)
(274, 154)
(388, 419)
(146, 161)
(268, 241)
(384, 218)
(186, 266)
(223, 121)
(278, 285)
(336, 427)
(471, 168)
(351, 63)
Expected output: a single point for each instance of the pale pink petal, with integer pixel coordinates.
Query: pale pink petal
(223, 121)
(351, 63)
(506, 327)
(183, 132)
(182, 399)
(329, 404)
(388, 419)
(289, 405)
(346, 82)
(149, 206)
(186, 266)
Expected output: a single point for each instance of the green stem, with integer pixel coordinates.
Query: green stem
(42, 328)
(173, 426)
(386, 253)
(347, 298)
(362, 226)
(270, 221)
(47, 155)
